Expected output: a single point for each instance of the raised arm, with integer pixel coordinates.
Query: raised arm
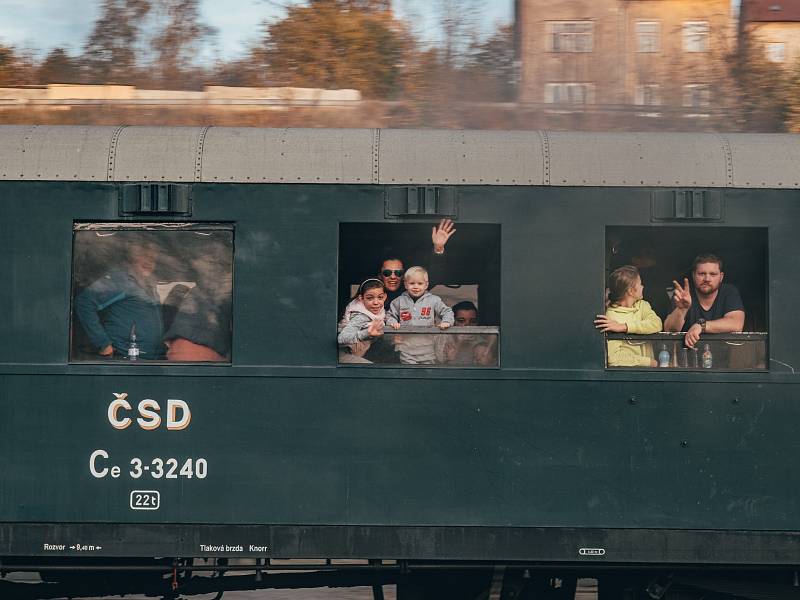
(683, 301)
(441, 234)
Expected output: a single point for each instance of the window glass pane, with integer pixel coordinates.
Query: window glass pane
(648, 95)
(152, 292)
(570, 36)
(695, 36)
(648, 35)
(396, 293)
(776, 52)
(696, 96)
(569, 93)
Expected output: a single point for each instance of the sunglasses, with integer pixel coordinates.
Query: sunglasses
(388, 272)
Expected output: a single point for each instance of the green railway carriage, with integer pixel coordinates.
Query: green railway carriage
(242, 432)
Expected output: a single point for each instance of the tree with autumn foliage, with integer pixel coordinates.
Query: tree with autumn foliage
(110, 54)
(180, 36)
(331, 44)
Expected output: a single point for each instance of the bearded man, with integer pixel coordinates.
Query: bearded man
(710, 306)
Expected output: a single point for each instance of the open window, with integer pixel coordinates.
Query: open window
(466, 280)
(144, 292)
(664, 254)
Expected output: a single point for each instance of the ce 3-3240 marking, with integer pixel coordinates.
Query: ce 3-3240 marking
(169, 468)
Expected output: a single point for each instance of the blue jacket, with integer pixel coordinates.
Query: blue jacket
(109, 307)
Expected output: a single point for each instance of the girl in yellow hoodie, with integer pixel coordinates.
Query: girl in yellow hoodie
(628, 312)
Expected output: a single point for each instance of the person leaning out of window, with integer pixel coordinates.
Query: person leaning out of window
(628, 312)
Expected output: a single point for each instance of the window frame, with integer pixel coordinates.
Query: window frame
(149, 226)
(696, 36)
(569, 42)
(567, 87)
(769, 49)
(648, 42)
(642, 90)
(690, 91)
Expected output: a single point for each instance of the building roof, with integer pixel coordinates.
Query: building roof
(771, 11)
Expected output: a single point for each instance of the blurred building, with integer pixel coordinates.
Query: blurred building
(775, 25)
(654, 58)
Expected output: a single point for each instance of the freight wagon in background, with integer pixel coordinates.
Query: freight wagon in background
(503, 478)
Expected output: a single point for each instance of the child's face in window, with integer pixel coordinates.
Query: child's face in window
(416, 286)
(373, 300)
(637, 289)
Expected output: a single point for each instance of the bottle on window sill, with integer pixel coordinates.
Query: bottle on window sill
(695, 363)
(708, 358)
(133, 347)
(663, 356)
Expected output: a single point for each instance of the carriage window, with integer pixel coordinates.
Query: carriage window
(151, 292)
(714, 319)
(402, 304)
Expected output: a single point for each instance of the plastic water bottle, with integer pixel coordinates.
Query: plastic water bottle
(694, 362)
(708, 358)
(133, 347)
(663, 356)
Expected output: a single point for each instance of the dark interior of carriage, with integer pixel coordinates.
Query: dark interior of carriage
(469, 270)
(666, 253)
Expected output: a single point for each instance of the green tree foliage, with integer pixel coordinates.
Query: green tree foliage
(110, 54)
(336, 44)
(59, 67)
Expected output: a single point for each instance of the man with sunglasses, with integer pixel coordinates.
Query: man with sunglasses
(392, 270)
(391, 274)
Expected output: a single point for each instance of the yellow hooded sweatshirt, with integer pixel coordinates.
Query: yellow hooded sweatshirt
(640, 319)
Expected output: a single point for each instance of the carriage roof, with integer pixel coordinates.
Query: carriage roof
(398, 157)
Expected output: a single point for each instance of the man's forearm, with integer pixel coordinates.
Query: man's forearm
(733, 322)
(675, 320)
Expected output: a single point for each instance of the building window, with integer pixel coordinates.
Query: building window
(776, 52)
(695, 36)
(148, 292)
(697, 95)
(648, 94)
(377, 283)
(569, 93)
(570, 36)
(648, 36)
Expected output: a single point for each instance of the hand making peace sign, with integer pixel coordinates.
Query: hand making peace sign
(682, 296)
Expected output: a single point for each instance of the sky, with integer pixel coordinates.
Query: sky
(41, 25)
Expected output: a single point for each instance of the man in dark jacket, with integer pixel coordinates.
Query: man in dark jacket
(122, 303)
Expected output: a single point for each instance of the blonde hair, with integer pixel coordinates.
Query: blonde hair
(415, 271)
(619, 282)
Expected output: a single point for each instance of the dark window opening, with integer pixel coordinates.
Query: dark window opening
(151, 292)
(665, 254)
(466, 277)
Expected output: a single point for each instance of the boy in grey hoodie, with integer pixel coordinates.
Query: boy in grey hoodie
(416, 307)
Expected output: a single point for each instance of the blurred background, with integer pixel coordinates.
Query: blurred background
(625, 65)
